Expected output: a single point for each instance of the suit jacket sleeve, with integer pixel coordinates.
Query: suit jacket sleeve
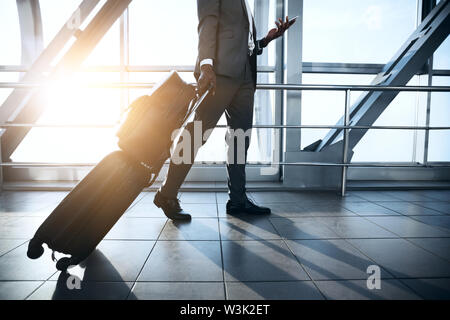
(259, 47)
(208, 16)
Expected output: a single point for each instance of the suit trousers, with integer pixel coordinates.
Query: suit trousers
(235, 97)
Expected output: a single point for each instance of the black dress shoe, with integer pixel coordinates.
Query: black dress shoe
(171, 207)
(246, 207)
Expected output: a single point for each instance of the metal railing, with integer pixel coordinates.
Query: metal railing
(346, 127)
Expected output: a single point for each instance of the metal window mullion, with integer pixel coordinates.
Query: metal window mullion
(428, 114)
(279, 77)
(345, 143)
(124, 59)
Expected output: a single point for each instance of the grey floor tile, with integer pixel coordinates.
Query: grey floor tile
(355, 227)
(17, 290)
(357, 290)
(24, 209)
(221, 210)
(54, 196)
(178, 291)
(277, 196)
(146, 197)
(247, 228)
(137, 229)
(430, 289)
(349, 197)
(292, 290)
(200, 210)
(16, 266)
(325, 210)
(260, 261)
(408, 208)
(374, 196)
(196, 229)
(144, 194)
(442, 207)
(402, 258)
(440, 222)
(441, 195)
(184, 261)
(285, 210)
(19, 227)
(439, 246)
(322, 197)
(222, 197)
(7, 245)
(144, 210)
(113, 261)
(22, 196)
(302, 228)
(58, 290)
(369, 209)
(332, 259)
(198, 197)
(407, 227)
(411, 195)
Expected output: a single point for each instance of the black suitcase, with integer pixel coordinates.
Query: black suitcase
(91, 209)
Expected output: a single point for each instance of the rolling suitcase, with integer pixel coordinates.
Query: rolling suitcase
(91, 209)
(78, 224)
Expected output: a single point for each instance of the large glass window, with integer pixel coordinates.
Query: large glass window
(407, 109)
(325, 107)
(10, 34)
(442, 56)
(54, 15)
(68, 105)
(439, 146)
(356, 31)
(163, 32)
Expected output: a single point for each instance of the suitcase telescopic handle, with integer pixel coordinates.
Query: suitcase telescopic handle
(200, 99)
(196, 102)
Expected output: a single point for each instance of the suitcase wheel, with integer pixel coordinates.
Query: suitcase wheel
(35, 249)
(63, 264)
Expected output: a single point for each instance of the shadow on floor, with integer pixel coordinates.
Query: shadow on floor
(90, 287)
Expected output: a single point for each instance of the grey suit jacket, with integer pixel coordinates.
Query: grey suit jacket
(223, 36)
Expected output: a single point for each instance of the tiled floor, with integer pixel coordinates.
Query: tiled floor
(315, 245)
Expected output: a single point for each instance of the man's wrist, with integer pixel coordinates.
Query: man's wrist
(206, 68)
(264, 42)
(206, 62)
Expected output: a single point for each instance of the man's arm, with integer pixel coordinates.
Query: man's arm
(208, 20)
(281, 27)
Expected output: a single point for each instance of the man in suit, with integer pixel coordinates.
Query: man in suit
(226, 63)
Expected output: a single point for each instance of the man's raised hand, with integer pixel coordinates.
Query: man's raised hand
(281, 28)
